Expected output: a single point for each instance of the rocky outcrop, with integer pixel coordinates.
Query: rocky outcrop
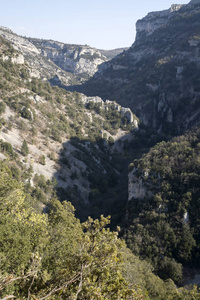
(96, 100)
(19, 43)
(15, 59)
(185, 218)
(155, 20)
(125, 112)
(138, 186)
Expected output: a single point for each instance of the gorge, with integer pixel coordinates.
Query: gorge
(112, 133)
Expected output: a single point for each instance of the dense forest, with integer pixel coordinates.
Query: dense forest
(54, 256)
(165, 227)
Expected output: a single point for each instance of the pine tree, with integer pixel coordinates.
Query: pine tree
(24, 149)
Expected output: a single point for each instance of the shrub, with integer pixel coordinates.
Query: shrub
(42, 160)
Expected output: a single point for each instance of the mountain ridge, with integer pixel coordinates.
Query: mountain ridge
(166, 55)
(61, 63)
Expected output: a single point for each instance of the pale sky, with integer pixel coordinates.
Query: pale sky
(103, 24)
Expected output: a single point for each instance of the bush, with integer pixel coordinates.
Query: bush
(2, 107)
(42, 160)
(6, 148)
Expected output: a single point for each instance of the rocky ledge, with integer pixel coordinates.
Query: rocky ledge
(155, 20)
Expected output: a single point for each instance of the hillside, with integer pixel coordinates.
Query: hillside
(158, 77)
(163, 207)
(112, 53)
(55, 143)
(70, 137)
(67, 157)
(62, 64)
(53, 256)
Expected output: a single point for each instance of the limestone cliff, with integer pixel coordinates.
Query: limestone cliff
(76, 59)
(155, 20)
(105, 105)
(62, 64)
(38, 65)
(158, 76)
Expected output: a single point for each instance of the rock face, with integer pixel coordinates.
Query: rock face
(186, 218)
(62, 64)
(125, 112)
(15, 59)
(76, 59)
(38, 65)
(194, 2)
(158, 77)
(19, 43)
(138, 186)
(155, 20)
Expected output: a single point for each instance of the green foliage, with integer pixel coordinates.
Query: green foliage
(2, 122)
(101, 254)
(15, 172)
(27, 113)
(54, 256)
(22, 233)
(2, 107)
(43, 255)
(24, 148)
(7, 148)
(42, 160)
(92, 260)
(24, 73)
(158, 230)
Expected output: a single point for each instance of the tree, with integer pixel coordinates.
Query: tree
(84, 261)
(23, 235)
(53, 256)
(100, 263)
(2, 107)
(95, 265)
(24, 148)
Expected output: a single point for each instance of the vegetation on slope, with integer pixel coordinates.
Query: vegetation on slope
(165, 228)
(50, 254)
(53, 256)
(58, 138)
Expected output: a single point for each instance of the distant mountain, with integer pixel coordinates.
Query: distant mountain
(76, 59)
(112, 53)
(64, 64)
(159, 76)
